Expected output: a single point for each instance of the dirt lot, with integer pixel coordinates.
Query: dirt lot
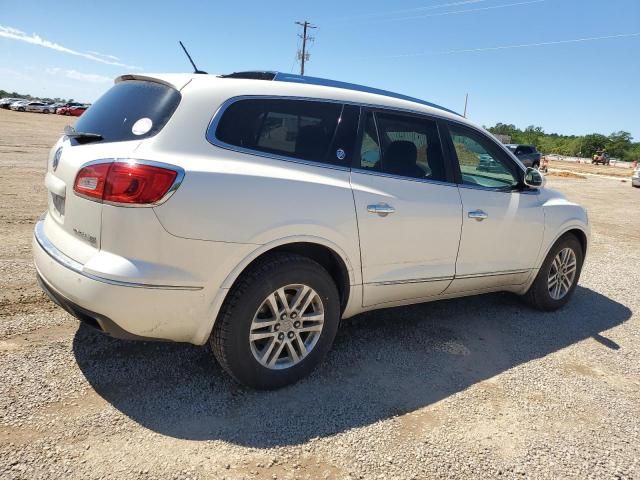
(607, 170)
(480, 387)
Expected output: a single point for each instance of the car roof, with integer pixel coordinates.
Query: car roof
(271, 83)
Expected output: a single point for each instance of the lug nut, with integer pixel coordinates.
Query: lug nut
(290, 334)
(276, 327)
(281, 336)
(294, 315)
(283, 316)
(297, 324)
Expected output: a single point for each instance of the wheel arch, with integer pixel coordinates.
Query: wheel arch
(326, 253)
(577, 231)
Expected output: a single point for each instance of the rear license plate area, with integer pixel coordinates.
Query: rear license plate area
(58, 204)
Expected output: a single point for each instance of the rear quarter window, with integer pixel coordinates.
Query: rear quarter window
(130, 110)
(302, 129)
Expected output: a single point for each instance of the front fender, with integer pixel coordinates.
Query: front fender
(561, 216)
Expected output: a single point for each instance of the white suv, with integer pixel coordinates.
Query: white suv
(255, 210)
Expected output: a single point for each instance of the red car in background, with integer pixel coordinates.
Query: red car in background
(74, 111)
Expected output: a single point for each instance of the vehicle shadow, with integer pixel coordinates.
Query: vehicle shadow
(382, 364)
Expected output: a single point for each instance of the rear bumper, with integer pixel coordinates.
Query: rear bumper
(121, 309)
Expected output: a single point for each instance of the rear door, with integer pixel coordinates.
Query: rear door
(126, 114)
(408, 209)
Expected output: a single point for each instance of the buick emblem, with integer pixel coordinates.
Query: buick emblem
(56, 159)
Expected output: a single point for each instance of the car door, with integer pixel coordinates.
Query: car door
(503, 221)
(408, 208)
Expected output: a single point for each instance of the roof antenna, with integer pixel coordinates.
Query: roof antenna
(195, 69)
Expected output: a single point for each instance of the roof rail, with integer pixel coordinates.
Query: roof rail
(289, 77)
(252, 75)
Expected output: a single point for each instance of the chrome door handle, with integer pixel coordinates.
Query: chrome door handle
(479, 215)
(382, 209)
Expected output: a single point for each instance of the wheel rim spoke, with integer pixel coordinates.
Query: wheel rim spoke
(287, 326)
(276, 355)
(302, 295)
(269, 349)
(260, 336)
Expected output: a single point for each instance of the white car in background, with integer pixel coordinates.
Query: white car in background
(255, 210)
(635, 178)
(39, 107)
(19, 106)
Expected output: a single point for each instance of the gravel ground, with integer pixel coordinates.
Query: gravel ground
(471, 388)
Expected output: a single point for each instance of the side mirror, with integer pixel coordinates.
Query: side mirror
(533, 178)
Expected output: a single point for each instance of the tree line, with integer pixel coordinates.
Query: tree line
(618, 144)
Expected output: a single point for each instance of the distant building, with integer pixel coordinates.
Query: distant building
(503, 138)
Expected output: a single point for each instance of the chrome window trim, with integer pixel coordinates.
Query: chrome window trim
(210, 134)
(51, 250)
(401, 177)
(532, 191)
(211, 137)
(174, 186)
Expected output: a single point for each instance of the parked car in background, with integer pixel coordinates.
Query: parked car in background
(635, 178)
(19, 106)
(527, 154)
(6, 102)
(270, 209)
(39, 107)
(74, 111)
(68, 104)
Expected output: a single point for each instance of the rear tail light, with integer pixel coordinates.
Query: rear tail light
(129, 183)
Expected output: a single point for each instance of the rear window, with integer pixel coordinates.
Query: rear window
(301, 129)
(130, 110)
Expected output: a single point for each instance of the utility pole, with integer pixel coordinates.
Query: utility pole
(303, 56)
(466, 100)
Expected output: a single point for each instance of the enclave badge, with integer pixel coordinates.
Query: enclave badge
(56, 159)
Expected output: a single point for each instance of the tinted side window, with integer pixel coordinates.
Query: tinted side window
(481, 162)
(405, 145)
(294, 128)
(370, 146)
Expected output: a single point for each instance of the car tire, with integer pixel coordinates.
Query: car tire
(546, 295)
(21, 109)
(269, 365)
(45, 111)
(67, 114)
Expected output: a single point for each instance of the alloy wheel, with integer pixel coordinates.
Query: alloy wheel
(562, 273)
(287, 326)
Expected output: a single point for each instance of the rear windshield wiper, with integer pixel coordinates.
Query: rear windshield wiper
(85, 137)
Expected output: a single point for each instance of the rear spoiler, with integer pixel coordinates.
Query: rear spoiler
(173, 80)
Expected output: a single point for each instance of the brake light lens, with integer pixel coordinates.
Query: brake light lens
(124, 182)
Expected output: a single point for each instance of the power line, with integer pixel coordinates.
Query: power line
(303, 56)
(506, 47)
(457, 12)
(409, 10)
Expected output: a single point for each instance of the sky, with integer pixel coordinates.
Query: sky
(569, 66)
